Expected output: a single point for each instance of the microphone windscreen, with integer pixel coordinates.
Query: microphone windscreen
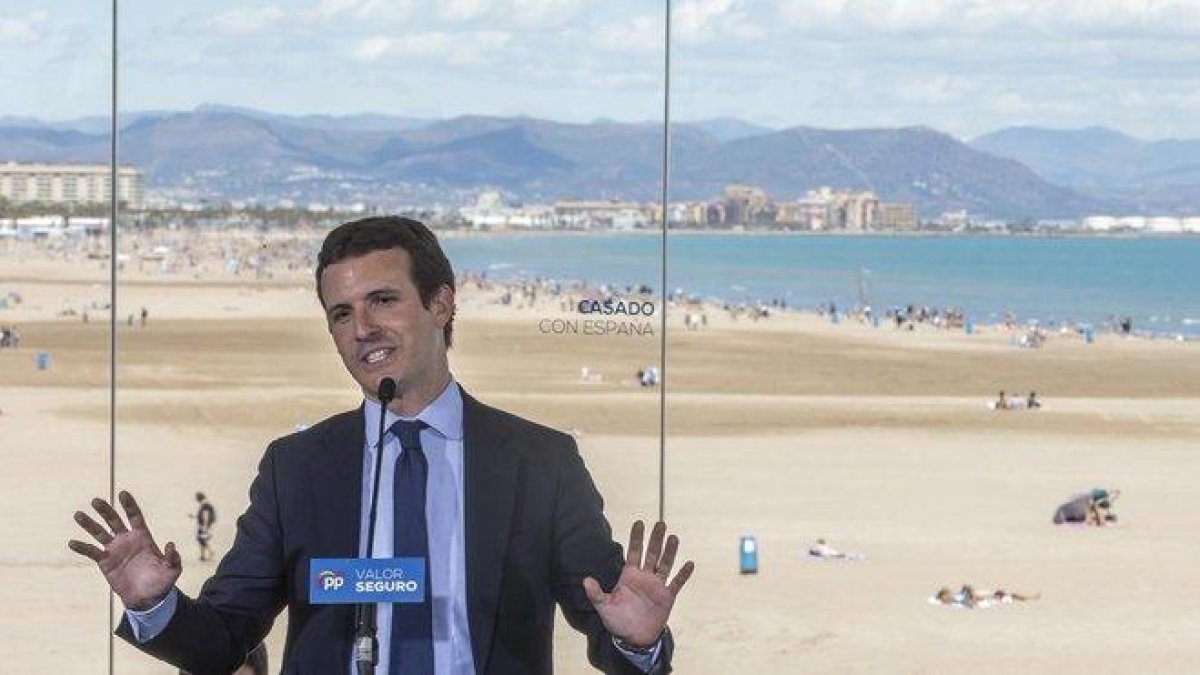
(387, 390)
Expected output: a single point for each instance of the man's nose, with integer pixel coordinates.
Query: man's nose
(365, 326)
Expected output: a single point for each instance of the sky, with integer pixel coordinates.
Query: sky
(965, 67)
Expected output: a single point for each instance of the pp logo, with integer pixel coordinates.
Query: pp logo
(328, 580)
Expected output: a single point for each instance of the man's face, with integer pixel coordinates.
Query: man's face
(380, 326)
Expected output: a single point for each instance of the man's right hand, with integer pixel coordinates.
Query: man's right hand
(138, 572)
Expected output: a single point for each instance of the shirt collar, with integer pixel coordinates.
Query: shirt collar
(444, 415)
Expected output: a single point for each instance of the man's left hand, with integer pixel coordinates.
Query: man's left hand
(637, 609)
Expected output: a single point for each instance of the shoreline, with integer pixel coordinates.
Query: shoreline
(49, 269)
(244, 258)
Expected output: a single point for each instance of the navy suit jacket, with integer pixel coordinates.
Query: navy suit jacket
(534, 529)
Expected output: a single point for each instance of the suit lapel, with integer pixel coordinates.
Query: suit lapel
(336, 472)
(490, 488)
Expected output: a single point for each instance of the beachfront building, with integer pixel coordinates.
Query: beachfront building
(956, 220)
(1154, 224)
(856, 211)
(601, 214)
(714, 214)
(902, 217)
(492, 212)
(51, 227)
(677, 214)
(1164, 225)
(1135, 223)
(839, 210)
(805, 214)
(68, 184)
(1100, 223)
(816, 208)
(747, 205)
(690, 215)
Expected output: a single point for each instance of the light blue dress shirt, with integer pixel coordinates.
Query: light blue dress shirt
(442, 443)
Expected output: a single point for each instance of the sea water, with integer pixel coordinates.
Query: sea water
(1155, 281)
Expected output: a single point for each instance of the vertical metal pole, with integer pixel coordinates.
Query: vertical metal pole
(112, 293)
(666, 182)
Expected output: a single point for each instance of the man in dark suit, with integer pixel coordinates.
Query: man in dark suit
(509, 522)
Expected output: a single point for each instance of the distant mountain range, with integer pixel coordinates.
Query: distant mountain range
(227, 153)
(1144, 176)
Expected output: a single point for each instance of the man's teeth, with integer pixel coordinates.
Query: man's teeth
(376, 356)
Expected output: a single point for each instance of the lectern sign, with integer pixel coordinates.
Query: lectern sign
(337, 581)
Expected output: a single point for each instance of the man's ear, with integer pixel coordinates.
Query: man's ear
(443, 305)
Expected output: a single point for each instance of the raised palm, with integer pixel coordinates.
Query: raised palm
(637, 608)
(138, 572)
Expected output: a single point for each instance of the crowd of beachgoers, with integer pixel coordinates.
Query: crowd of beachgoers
(290, 255)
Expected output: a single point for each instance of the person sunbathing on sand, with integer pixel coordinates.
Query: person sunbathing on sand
(1001, 595)
(1089, 508)
(968, 597)
(826, 552)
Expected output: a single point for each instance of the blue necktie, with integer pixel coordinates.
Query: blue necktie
(412, 623)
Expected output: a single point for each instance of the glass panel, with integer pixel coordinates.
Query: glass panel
(867, 176)
(527, 135)
(54, 153)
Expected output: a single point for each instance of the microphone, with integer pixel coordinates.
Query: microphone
(366, 646)
(387, 391)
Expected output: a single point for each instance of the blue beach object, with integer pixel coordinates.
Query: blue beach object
(748, 554)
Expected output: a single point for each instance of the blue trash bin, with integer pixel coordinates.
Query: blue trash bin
(969, 327)
(1089, 334)
(41, 360)
(748, 555)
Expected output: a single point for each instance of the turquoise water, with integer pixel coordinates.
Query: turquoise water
(1155, 281)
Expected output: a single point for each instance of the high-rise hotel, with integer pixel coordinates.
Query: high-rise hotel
(68, 184)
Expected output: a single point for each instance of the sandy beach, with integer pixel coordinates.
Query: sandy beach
(789, 429)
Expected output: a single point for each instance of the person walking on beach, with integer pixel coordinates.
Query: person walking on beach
(205, 517)
(502, 511)
(1001, 402)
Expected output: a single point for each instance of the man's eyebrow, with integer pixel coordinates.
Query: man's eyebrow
(386, 290)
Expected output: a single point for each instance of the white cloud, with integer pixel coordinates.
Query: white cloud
(643, 34)
(525, 12)
(544, 11)
(458, 49)
(360, 9)
(696, 16)
(854, 18)
(247, 20)
(699, 21)
(374, 48)
(329, 8)
(23, 31)
(464, 10)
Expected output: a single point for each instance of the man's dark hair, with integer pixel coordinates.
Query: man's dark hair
(430, 268)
